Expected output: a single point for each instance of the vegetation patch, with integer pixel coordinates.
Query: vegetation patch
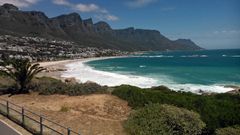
(65, 108)
(6, 82)
(21, 71)
(49, 86)
(217, 111)
(234, 130)
(159, 119)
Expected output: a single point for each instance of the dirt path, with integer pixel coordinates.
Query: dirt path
(98, 114)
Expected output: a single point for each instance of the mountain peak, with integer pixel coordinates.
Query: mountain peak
(68, 19)
(181, 39)
(184, 41)
(187, 43)
(102, 26)
(130, 28)
(9, 7)
(72, 16)
(88, 21)
(38, 14)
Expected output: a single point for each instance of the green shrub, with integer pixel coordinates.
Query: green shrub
(49, 86)
(134, 95)
(234, 130)
(217, 111)
(86, 88)
(162, 88)
(6, 82)
(158, 119)
(64, 108)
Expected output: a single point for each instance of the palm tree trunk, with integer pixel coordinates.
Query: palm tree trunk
(22, 88)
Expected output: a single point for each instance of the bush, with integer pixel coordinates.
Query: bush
(158, 119)
(234, 130)
(6, 82)
(134, 95)
(65, 108)
(162, 88)
(7, 85)
(217, 111)
(49, 86)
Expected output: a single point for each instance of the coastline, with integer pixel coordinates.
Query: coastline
(58, 70)
(55, 69)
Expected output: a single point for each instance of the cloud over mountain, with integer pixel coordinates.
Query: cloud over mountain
(101, 13)
(140, 3)
(20, 3)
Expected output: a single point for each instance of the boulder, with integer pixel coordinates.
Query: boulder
(71, 80)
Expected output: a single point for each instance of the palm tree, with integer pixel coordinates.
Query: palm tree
(20, 70)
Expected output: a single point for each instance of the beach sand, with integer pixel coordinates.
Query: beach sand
(54, 69)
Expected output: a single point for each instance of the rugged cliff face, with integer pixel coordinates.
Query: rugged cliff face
(72, 27)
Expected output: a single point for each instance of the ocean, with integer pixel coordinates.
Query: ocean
(194, 71)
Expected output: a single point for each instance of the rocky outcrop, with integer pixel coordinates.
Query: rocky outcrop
(102, 27)
(186, 43)
(10, 7)
(71, 80)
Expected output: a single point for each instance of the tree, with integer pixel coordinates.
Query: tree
(21, 71)
(157, 119)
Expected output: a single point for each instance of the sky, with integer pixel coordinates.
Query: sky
(212, 24)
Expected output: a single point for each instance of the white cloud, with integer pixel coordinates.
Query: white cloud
(19, 3)
(102, 14)
(106, 17)
(104, 11)
(87, 7)
(62, 2)
(140, 3)
(112, 17)
(227, 32)
(79, 6)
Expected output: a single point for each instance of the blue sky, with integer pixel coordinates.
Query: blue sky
(212, 24)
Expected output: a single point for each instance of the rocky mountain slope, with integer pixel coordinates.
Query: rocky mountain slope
(72, 27)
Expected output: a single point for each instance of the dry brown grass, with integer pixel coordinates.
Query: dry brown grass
(97, 114)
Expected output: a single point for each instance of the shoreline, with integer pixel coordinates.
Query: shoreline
(55, 69)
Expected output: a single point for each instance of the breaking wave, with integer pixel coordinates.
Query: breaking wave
(85, 73)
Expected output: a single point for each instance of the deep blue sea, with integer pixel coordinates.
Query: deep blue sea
(205, 70)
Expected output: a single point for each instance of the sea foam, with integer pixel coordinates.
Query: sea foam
(84, 73)
(236, 56)
(197, 88)
(155, 56)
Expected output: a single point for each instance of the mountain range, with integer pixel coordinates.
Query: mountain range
(72, 27)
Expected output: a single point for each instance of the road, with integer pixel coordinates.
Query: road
(7, 129)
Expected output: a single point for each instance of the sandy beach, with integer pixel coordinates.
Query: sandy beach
(55, 69)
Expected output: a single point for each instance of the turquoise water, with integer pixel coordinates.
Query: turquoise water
(205, 67)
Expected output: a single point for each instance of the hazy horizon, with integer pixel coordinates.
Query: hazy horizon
(210, 24)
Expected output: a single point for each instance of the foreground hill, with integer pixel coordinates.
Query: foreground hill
(84, 32)
(97, 114)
